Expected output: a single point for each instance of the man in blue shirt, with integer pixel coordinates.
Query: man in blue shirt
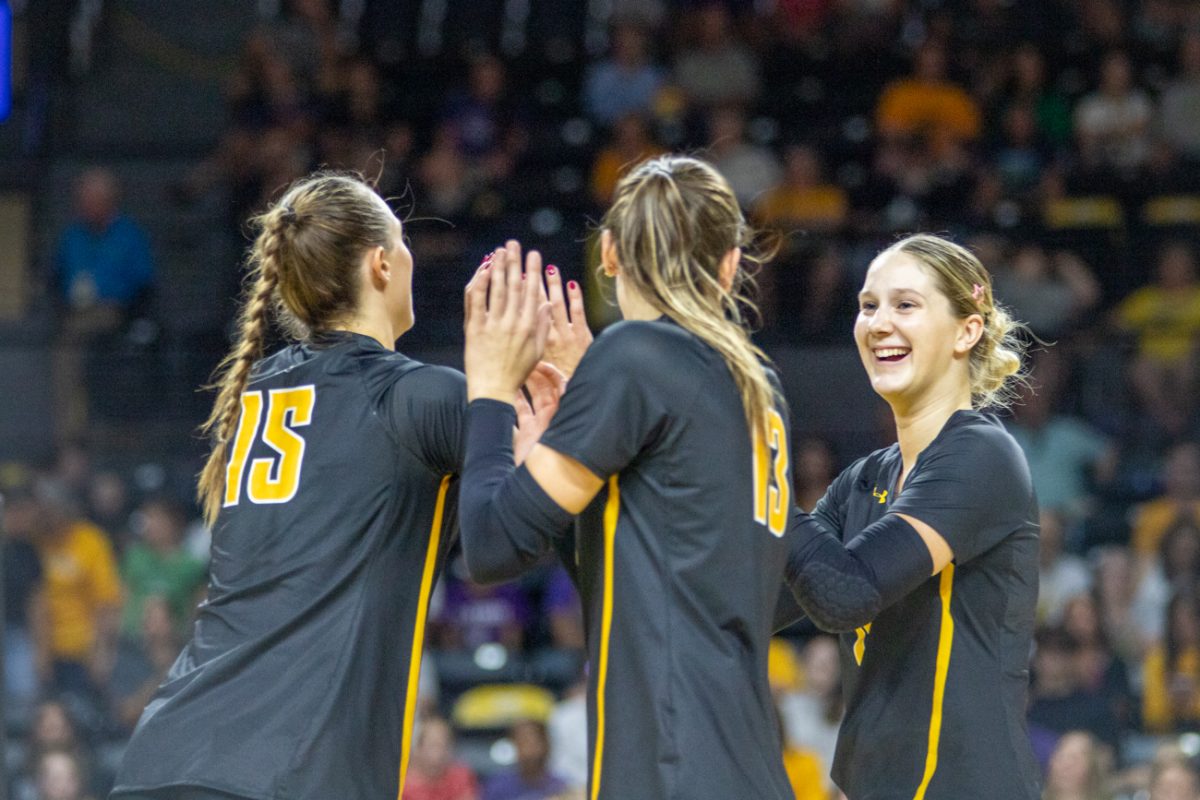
(103, 271)
(103, 256)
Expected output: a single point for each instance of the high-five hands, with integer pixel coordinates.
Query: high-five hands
(507, 323)
(569, 334)
(545, 386)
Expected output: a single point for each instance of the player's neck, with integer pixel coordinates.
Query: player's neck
(379, 330)
(919, 423)
(634, 307)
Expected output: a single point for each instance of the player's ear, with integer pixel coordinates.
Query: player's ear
(970, 331)
(608, 254)
(379, 271)
(728, 268)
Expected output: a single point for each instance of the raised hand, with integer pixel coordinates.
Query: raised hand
(545, 386)
(569, 334)
(507, 323)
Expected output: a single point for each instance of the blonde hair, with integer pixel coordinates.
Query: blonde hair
(303, 270)
(672, 221)
(995, 363)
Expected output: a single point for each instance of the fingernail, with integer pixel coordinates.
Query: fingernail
(550, 270)
(486, 266)
(572, 285)
(522, 277)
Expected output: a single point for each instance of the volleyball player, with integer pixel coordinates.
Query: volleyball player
(935, 589)
(670, 446)
(331, 494)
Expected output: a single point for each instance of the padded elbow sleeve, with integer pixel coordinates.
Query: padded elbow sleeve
(843, 587)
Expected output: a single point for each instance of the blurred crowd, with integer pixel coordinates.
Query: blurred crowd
(1060, 139)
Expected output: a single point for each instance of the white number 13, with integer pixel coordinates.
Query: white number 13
(772, 487)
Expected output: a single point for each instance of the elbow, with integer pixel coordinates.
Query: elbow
(834, 601)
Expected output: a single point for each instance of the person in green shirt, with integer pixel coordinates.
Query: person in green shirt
(158, 564)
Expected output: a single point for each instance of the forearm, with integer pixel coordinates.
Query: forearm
(507, 522)
(843, 587)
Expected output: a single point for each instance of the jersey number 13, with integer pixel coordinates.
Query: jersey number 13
(772, 487)
(275, 479)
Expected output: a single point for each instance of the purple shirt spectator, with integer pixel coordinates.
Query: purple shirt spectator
(475, 615)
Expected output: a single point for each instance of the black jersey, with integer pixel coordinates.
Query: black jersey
(300, 678)
(936, 685)
(680, 560)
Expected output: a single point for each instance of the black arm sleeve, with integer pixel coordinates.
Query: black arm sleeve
(843, 587)
(508, 522)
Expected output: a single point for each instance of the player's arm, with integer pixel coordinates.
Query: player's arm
(511, 517)
(965, 499)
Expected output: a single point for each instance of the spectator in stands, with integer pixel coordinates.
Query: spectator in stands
(567, 733)
(108, 506)
(811, 716)
(1021, 156)
(475, 615)
(158, 565)
(1050, 292)
(104, 272)
(927, 103)
(1077, 770)
(561, 608)
(1171, 674)
(1180, 500)
(24, 604)
(812, 471)
(819, 302)
(1102, 673)
(483, 120)
(1180, 103)
(61, 775)
(1175, 568)
(631, 143)
(1061, 576)
(1113, 123)
(1175, 780)
(433, 774)
(1030, 88)
(750, 169)
(1064, 452)
(53, 731)
(627, 82)
(1115, 585)
(1165, 318)
(448, 184)
(804, 199)
(143, 661)
(716, 68)
(1058, 701)
(83, 596)
(530, 778)
(103, 265)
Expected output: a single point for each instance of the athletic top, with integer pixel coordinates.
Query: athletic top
(679, 559)
(936, 685)
(300, 679)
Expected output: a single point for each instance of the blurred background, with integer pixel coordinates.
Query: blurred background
(1060, 139)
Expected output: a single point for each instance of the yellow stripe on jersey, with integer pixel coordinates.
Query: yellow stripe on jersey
(612, 511)
(418, 639)
(945, 643)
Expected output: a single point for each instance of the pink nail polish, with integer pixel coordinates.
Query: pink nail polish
(550, 270)
(572, 285)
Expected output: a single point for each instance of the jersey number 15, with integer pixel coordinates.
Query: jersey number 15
(772, 487)
(275, 479)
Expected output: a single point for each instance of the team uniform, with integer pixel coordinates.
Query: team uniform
(300, 679)
(936, 684)
(679, 561)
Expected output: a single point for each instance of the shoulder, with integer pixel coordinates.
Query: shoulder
(642, 345)
(979, 442)
(388, 372)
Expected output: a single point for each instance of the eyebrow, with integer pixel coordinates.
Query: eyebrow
(867, 293)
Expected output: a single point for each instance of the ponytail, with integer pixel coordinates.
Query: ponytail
(233, 372)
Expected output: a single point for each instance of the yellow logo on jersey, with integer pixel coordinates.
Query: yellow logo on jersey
(880, 496)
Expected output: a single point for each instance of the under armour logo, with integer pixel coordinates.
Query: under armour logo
(880, 496)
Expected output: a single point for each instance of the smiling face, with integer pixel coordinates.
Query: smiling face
(912, 345)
